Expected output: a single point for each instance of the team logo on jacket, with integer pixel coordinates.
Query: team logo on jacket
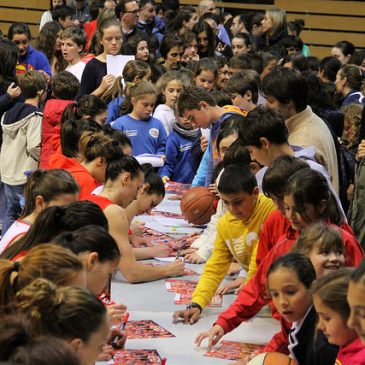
(154, 132)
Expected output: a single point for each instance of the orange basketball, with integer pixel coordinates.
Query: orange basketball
(271, 358)
(197, 205)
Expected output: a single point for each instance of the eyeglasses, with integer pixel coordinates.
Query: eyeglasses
(132, 11)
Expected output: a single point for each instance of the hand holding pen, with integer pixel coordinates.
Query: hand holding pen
(120, 337)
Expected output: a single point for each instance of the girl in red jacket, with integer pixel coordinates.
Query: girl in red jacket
(330, 301)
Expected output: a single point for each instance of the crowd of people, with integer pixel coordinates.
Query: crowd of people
(232, 102)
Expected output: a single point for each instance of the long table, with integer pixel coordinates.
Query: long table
(152, 301)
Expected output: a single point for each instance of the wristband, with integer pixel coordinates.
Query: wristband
(194, 305)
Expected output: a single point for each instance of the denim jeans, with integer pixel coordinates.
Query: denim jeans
(15, 202)
(3, 205)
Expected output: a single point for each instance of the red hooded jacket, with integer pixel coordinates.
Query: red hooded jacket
(52, 114)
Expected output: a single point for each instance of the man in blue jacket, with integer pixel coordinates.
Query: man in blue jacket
(149, 22)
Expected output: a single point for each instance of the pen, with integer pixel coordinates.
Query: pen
(121, 327)
(124, 322)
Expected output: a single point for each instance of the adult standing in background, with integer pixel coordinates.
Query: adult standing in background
(149, 22)
(127, 13)
(207, 6)
(274, 25)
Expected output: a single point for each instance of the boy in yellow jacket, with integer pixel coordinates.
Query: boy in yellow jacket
(238, 232)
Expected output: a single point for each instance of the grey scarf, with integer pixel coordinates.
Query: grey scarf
(191, 134)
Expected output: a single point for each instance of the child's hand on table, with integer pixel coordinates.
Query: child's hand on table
(189, 316)
(213, 336)
(235, 286)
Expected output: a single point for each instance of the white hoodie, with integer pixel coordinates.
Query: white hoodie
(20, 151)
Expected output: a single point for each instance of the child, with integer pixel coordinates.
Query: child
(201, 249)
(146, 133)
(170, 86)
(20, 150)
(356, 300)
(289, 280)
(287, 91)
(48, 261)
(201, 109)
(243, 88)
(52, 221)
(29, 58)
(180, 165)
(124, 179)
(74, 121)
(307, 200)
(65, 88)
(223, 72)
(270, 61)
(73, 42)
(266, 137)
(239, 63)
(241, 44)
(330, 300)
(134, 71)
(351, 130)
(88, 107)
(94, 79)
(64, 15)
(323, 245)
(237, 235)
(206, 73)
(350, 141)
(43, 189)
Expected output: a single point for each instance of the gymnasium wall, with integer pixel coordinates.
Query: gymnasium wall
(326, 21)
